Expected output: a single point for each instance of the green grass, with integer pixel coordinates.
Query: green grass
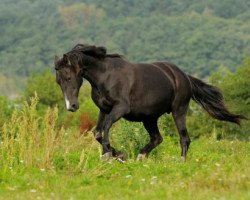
(214, 170)
(39, 160)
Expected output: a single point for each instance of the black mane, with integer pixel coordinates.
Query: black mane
(97, 52)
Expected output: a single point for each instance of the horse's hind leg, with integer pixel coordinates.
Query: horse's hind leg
(155, 138)
(179, 116)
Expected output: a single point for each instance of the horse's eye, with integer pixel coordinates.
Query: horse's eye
(68, 79)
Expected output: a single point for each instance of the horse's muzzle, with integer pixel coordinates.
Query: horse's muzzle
(73, 107)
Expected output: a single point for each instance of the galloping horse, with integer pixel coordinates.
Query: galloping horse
(137, 92)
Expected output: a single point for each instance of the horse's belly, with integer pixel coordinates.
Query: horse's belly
(140, 116)
(143, 110)
(134, 118)
(154, 101)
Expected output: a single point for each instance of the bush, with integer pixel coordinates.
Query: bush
(6, 109)
(130, 137)
(47, 90)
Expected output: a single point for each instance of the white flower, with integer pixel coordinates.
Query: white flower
(129, 176)
(217, 164)
(33, 190)
(153, 180)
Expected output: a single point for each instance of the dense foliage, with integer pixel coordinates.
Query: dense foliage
(199, 36)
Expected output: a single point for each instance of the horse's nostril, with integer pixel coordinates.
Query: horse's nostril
(73, 107)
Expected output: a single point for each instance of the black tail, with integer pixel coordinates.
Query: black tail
(211, 99)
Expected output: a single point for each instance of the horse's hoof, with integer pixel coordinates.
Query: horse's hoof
(141, 157)
(183, 158)
(106, 156)
(120, 160)
(121, 157)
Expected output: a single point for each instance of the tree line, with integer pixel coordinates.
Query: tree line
(198, 36)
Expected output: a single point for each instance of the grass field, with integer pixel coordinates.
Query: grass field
(38, 160)
(214, 170)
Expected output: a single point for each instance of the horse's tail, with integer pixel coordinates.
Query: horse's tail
(211, 99)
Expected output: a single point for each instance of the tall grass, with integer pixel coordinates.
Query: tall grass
(29, 139)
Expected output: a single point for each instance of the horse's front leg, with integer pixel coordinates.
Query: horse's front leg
(98, 133)
(116, 113)
(99, 127)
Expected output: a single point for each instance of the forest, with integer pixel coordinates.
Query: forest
(198, 36)
(49, 153)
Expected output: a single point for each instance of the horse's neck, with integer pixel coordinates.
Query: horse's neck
(93, 76)
(92, 79)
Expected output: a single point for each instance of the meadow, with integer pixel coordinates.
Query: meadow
(41, 160)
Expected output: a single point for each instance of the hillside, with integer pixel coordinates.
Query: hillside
(199, 36)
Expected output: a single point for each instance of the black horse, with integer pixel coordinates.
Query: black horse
(137, 92)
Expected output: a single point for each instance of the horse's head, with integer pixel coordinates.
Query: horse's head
(72, 67)
(68, 76)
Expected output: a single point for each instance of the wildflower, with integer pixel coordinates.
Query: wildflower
(12, 188)
(153, 180)
(217, 164)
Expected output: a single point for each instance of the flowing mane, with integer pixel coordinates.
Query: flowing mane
(97, 52)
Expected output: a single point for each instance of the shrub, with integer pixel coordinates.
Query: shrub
(6, 109)
(129, 137)
(47, 90)
(86, 123)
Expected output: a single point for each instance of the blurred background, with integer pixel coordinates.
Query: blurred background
(209, 39)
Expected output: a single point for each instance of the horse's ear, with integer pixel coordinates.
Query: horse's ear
(98, 52)
(66, 59)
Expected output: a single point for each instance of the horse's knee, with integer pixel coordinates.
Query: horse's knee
(159, 140)
(98, 136)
